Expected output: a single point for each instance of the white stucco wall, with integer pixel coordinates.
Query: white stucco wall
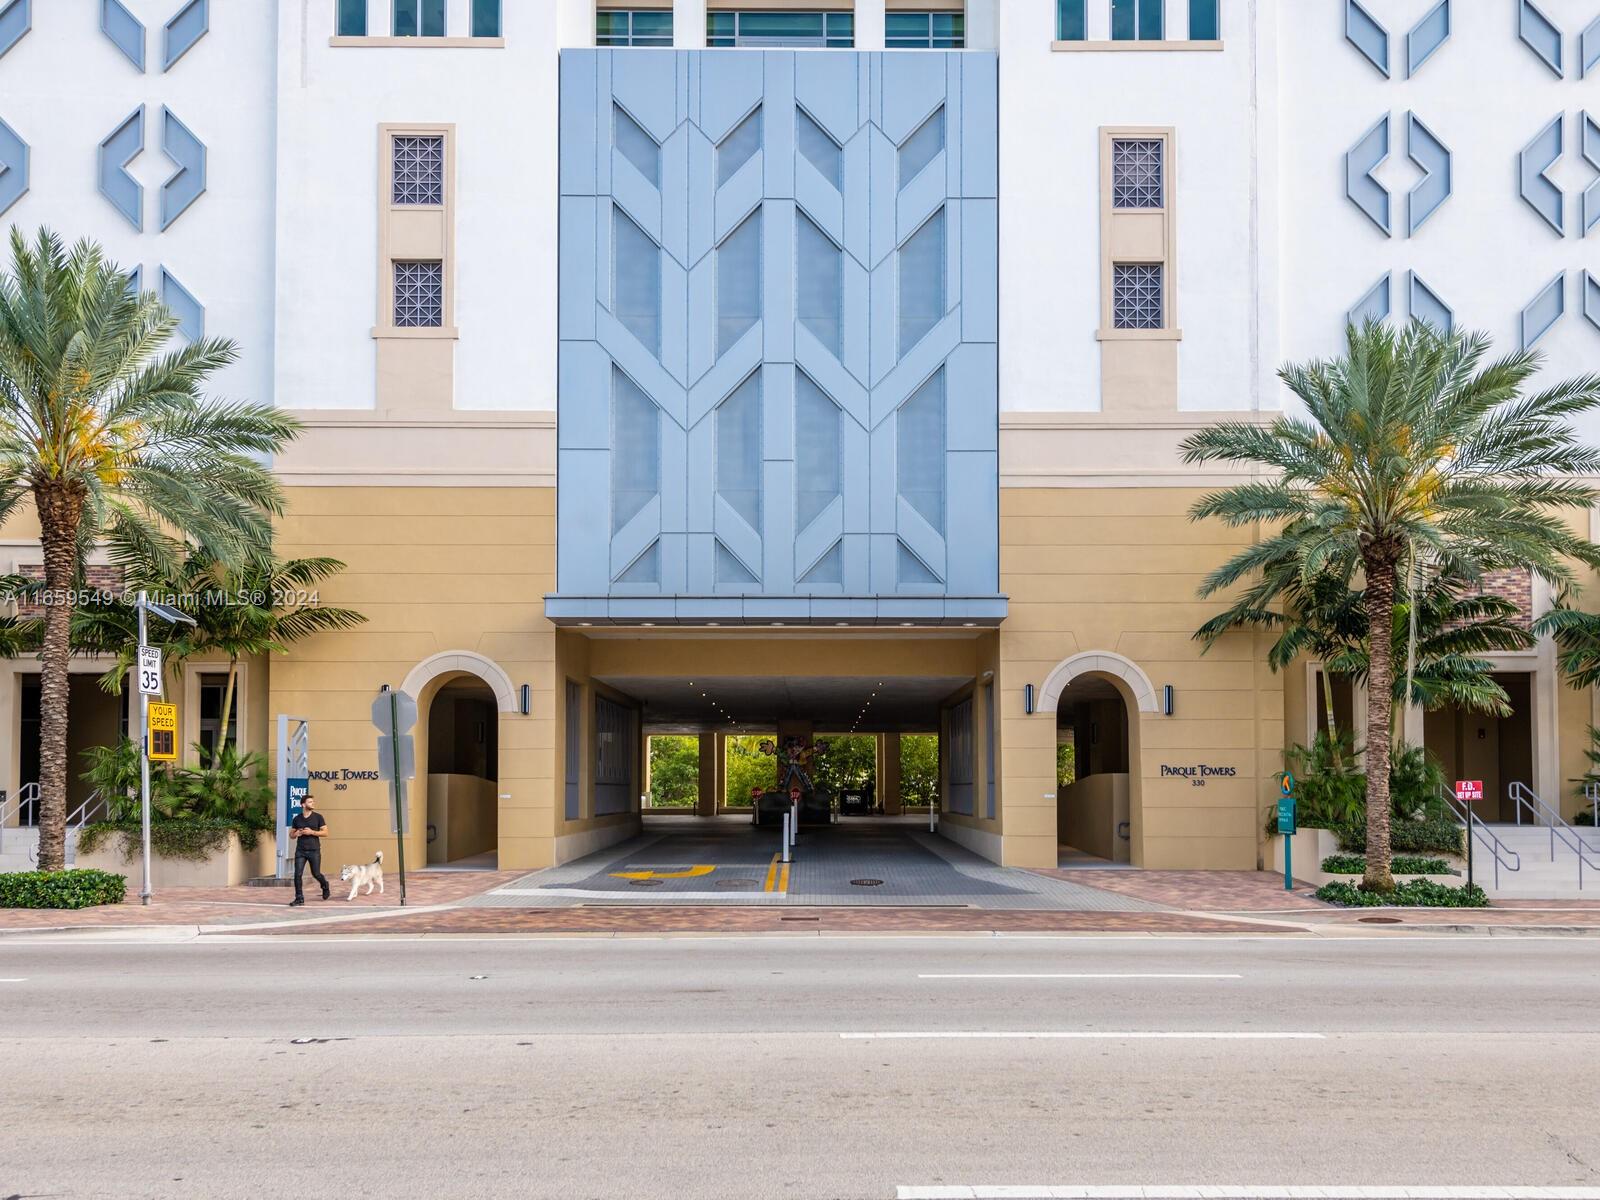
(64, 87)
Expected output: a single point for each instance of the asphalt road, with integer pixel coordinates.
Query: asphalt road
(737, 1067)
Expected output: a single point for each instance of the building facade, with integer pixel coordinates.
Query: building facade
(801, 368)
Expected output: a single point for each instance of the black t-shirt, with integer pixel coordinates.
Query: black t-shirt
(308, 844)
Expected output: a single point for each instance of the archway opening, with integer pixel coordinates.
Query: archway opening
(463, 774)
(1093, 756)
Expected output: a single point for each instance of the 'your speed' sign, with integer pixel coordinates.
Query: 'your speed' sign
(150, 670)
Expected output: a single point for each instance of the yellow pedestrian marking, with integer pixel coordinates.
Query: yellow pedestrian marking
(692, 873)
(783, 880)
(772, 874)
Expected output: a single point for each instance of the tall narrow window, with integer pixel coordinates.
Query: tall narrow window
(819, 265)
(817, 450)
(738, 282)
(1136, 296)
(417, 169)
(922, 283)
(352, 18)
(1137, 173)
(574, 739)
(920, 447)
(419, 18)
(819, 148)
(485, 18)
(920, 149)
(418, 294)
(637, 146)
(739, 147)
(1072, 20)
(739, 451)
(636, 265)
(635, 449)
(1205, 24)
(1138, 20)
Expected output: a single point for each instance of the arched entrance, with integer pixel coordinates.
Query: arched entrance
(1097, 699)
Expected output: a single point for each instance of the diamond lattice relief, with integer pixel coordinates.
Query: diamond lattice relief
(419, 170)
(1136, 173)
(418, 295)
(1136, 296)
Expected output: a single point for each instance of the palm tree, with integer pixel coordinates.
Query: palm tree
(1414, 457)
(109, 436)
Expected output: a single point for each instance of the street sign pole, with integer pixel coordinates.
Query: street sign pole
(144, 758)
(399, 787)
(1287, 827)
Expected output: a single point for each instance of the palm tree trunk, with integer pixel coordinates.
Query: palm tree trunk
(227, 711)
(1333, 725)
(1380, 714)
(59, 512)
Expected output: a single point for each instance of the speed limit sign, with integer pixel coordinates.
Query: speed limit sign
(150, 670)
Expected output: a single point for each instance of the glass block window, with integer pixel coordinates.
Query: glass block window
(819, 271)
(920, 446)
(637, 146)
(1205, 23)
(352, 18)
(765, 30)
(1136, 296)
(918, 150)
(1137, 172)
(818, 450)
(418, 294)
(1072, 20)
(739, 451)
(418, 169)
(419, 18)
(924, 31)
(636, 269)
(574, 748)
(485, 18)
(738, 282)
(819, 148)
(1138, 20)
(633, 27)
(739, 147)
(922, 282)
(635, 449)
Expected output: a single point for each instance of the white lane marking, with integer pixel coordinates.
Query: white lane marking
(1086, 975)
(1244, 1191)
(1089, 1035)
(13, 981)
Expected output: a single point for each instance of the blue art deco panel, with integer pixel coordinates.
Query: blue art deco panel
(778, 394)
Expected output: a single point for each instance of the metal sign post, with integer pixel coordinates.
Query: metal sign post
(1287, 827)
(150, 680)
(394, 713)
(294, 780)
(1468, 790)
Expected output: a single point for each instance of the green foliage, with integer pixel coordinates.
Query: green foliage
(234, 788)
(114, 773)
(674, 771)
(1414, 893)
(748, 768)
(1330, 793)
(919, 769)
(1066, 764)
(1590, 778)
(1435, 835)
(845, 762)
(1577, 638)
(1403, 864)
(194, 838)
(61, 889)
(1416, 787)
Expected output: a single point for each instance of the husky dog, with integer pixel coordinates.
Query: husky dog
(363, 873)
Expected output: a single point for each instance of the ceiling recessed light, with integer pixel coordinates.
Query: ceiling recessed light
(648, 624)
(968, 624)
(586, 624)
(905, 624)
(777, 624)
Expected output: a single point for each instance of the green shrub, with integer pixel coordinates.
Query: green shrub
(61, 889)
(1416, 893)
(1436, 835)
(187, 838)
(1330, 792)
(1403, 864)
(1416, 786)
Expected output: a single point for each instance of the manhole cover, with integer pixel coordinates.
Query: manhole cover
(735, 885)
(645, 882)
(1379, 920)
(866, 883)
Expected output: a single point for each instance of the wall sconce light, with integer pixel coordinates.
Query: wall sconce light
(1166, 700)
(525, 699)
(1027, 698)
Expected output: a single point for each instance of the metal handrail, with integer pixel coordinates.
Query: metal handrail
(76, 819)
(1497, 848)
(27, 793)
(1522, 796)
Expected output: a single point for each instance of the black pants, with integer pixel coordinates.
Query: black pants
(308, 856)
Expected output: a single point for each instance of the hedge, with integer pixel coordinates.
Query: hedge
(61, 889)
(1401, 864)
(195, 839)
(1437, 835)
(1416, 893)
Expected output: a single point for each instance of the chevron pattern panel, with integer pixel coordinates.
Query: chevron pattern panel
(778, 336)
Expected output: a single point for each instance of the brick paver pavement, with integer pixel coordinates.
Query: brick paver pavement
(1200, 891)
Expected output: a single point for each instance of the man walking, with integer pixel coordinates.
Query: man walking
(308, 830)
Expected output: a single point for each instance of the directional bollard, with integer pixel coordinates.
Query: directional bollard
(794, 822)
(785, 837)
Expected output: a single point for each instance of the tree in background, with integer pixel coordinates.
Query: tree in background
(748, 767)
(674, 771)
(919, 769)
(1415, 458)
(1066, 763)
(845, 762)
(113, 443)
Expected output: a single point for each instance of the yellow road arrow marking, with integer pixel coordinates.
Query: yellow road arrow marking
(692, 873)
